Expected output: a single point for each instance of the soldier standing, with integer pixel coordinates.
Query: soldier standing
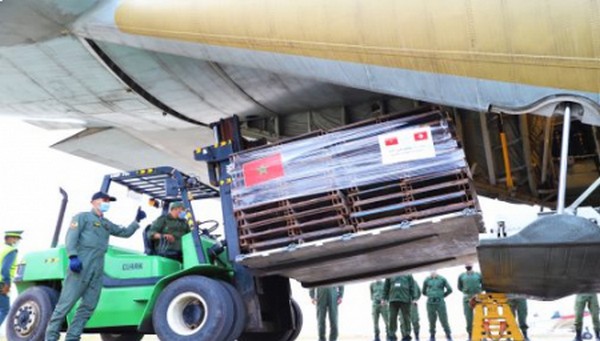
(379, 308)
(591, 300)
(327, 300)
(400, 292)
(469, 283)
(436, 288)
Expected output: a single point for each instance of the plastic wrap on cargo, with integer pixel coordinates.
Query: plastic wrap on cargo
(391, 150)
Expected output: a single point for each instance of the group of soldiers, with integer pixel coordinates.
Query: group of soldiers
(395, 299)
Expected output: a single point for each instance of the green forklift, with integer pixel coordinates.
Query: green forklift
(206, 296)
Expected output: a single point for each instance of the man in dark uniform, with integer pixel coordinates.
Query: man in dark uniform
(327, 300)
(470, 284)
(400, 292)
(436, 288)
(581, 301)
(8, 259)
(379, 308)
(87, 241)
(518, 306)
(166, 231)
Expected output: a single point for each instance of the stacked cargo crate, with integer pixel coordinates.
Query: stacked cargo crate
(382, 173)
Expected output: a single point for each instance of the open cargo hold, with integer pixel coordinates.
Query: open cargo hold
(381, 197)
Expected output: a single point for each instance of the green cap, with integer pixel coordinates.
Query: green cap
(176, 204)
(14, 233)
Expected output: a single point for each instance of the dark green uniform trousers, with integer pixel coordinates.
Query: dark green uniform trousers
(85, 285)
(591, 300)
(468, 311)
(518, 306)
(414, 319)
(328, 306)
(435, 310)
(380, 310)
(399, 311)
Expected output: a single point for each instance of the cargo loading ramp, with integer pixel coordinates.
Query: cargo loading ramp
(405, 248)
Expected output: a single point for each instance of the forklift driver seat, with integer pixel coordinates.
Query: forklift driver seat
(148, 244)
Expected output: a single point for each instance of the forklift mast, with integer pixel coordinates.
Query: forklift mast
(267, 299)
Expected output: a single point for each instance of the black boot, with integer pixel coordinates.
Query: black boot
(376, 338)
(525, 337)
(578, 335)
(432, 337)
(597, 332)
(448, 337)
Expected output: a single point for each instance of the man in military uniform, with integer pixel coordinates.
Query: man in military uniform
(86, 244)
(518, 306)
(8, 259)
(400, 292)
(166, 231)
(470, 284)
(591, 300)
(379, 308)
(327, 300)
(436, 288)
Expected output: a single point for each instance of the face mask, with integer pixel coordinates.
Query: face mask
(182, 214)
(15, 244)
(468, 268)
(104, 206)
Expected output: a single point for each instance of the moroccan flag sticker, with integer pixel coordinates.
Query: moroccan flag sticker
(406, 145)
(263, 170)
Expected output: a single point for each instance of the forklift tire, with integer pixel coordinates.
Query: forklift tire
(239, 312)
(122, 337)
(193, 308)
(298, 319)
(30, 313)
(287, 335)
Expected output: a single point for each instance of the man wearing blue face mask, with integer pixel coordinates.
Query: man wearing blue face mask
(87, 241)
(166, 231)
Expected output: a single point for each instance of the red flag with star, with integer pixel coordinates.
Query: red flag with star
(262, 170)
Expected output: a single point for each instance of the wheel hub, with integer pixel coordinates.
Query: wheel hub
(187, 313)
(26, 318)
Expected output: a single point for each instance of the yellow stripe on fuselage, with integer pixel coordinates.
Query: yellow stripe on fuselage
(550, 43)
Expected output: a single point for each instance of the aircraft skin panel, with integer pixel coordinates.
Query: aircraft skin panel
(435, 87)
(494, 40)
(462, 92)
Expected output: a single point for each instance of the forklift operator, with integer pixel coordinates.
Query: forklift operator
(166, 232)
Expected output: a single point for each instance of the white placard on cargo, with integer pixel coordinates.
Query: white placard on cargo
(406, 145)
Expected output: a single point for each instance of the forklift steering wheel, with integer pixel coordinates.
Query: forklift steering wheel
(212, 225)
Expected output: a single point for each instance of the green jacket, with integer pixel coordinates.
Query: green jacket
(469, 283)
(436, 288)
(401, 289)
(376, 292)
(166, 224)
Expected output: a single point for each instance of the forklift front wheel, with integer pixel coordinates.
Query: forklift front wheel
(193, 308)
(30, 314)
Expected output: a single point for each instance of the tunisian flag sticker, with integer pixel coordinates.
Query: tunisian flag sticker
(263, 170)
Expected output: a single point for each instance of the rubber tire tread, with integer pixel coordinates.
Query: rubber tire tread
(298, 319)
(239, 315)
(219, 311)
(46, 299)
